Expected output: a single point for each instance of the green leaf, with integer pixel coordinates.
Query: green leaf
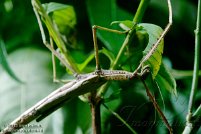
(151, 84)
(86, 62)
(104, 51)
(77, 116)
(58, 122)
(125, 24)
(62, 15)
(165, 80)
(159, 72)
(54, 33)
(53, 6)
(155, 60)
(106, 115)
(33, 67)
(4, 62)
(103, 17)
(137, 43)
(109, 54)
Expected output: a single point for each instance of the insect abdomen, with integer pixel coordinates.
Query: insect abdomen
(116, 75)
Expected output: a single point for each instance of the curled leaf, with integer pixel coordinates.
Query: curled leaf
(4, 62)
(165, 80)
(63, 15)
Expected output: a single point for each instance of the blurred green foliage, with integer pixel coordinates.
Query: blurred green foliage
(31, 62)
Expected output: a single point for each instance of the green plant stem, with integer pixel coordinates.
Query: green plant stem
(197, 113)
(196, 61)
(140, 11)
(191, 123)
(137, 18)
(196, 120)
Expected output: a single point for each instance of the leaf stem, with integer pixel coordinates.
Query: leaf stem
(196, 61)
(140, 11)
(191, 122)
(137, 18)
(196, 120)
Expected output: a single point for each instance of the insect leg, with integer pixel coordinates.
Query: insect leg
(53, 62)
(157, 107)
(94, 28)
(54, 66)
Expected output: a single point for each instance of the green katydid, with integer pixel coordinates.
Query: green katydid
(84, 82)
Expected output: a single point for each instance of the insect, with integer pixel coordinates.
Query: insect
(83, 83)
